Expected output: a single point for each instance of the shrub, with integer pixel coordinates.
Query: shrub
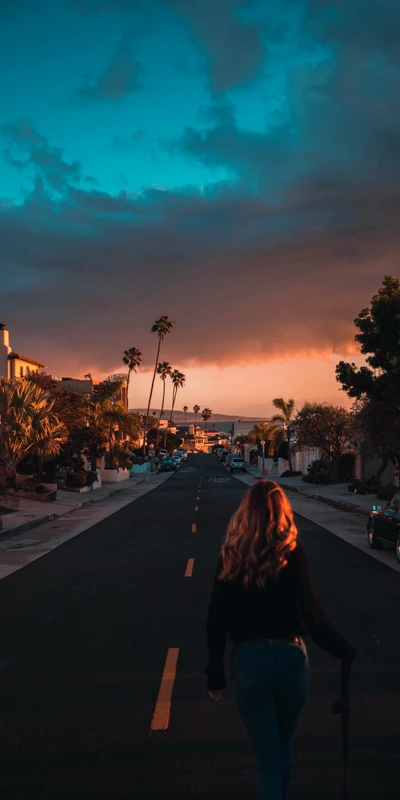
(91, 478)
(364, 487)
(290, 474)
(76, 480)
(317, 473)
(387, 492)
(41, 489)
(28, 485)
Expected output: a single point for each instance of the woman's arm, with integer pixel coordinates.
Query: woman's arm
(317, 621)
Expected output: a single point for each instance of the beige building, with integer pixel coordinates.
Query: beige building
(12, 364)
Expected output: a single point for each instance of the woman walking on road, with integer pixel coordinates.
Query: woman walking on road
(263, 598)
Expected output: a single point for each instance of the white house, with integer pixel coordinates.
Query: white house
(12, 364)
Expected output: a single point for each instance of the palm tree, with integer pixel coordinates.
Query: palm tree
(196, 410)
(27, 424)
(268, 433)
(206, 414)
(133, 359)
(178, 380)
(286, 416)
(162, 327)
(164, 370)
(186, 409)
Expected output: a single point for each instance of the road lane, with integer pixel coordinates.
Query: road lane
(79, 690)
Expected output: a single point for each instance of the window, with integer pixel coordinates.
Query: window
(27, 371)
(21, 372)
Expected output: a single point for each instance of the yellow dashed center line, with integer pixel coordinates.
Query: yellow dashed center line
(162, 709)
(189, 568)
(194, 528)
(197, 508)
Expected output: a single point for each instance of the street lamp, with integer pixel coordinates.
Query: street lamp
(263, 455)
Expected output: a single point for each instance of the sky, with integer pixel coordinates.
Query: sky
(233, 164)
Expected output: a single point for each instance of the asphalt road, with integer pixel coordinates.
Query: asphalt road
(86, 630)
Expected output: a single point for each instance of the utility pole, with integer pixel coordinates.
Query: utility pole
(263, 456)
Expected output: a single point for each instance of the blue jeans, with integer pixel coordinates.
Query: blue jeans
(270, 683)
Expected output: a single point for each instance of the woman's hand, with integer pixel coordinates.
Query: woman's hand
(217, 694)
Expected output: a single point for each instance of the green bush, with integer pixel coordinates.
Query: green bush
(317, 473)
(290, 474)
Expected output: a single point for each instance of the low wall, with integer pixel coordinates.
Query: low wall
(114, 475)
(140, 468)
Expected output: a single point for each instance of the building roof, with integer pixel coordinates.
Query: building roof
(27, 359)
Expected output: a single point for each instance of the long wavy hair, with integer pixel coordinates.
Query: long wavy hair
(261, 534)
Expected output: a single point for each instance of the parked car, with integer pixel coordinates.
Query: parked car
(182, 452)
(229, 458)
(225, 455)
(168, 464)
(384, 526)
(177, 458)
(237, 463)
(163, 453)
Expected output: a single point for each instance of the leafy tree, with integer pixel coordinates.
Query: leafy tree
(206, 414)
(162, 327)
(286, 416)
(28, 424)
(172, 442)
(328, 427)
(133, 359)
(376, 387)
(268, 433)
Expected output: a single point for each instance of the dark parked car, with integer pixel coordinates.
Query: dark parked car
(225, 455)
(237, 463)
(168, 464)
(384, 526)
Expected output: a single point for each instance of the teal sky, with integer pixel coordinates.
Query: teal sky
(188, 156)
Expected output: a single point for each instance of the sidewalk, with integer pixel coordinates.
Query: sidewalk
(335, 494)
(33, 513)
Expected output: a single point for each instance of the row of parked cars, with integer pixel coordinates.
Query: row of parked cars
(232, 461)
(168, 462)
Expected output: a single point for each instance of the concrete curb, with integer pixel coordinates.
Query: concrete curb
(35, 523)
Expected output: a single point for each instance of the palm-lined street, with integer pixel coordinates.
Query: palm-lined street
(86, 631)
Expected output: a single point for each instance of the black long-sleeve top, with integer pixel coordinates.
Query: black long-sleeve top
(283, 607)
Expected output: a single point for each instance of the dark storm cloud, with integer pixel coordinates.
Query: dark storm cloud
(233, 47)
(46, 161)
(297, 272)
(121, 77)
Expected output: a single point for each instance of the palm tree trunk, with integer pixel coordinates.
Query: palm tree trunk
(174, 393)
(150, 396)
(127, 388)
(161, 413)
(111, 448)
